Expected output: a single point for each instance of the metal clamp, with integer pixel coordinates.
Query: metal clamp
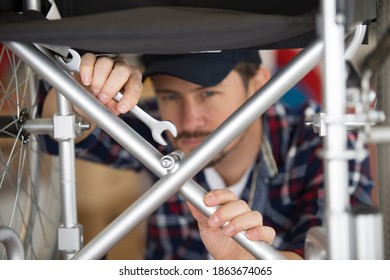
(170, 161)
(70, 240)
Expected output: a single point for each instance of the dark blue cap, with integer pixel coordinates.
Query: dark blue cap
(205, 69)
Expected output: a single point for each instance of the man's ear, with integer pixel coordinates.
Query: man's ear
(261, 77)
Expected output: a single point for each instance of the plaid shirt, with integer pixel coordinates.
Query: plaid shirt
(286, 184)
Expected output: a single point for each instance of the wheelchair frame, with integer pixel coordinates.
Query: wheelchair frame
(340, 235)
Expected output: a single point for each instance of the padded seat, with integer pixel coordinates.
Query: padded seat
(171, 27)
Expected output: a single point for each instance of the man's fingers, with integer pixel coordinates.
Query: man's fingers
(245, 221)
(87, 65)
(112, 105)
(132, 91)
(107, 76)
(227, 212)
(235, 216)
(102, 71)
(263, 233)
(114, 82)
(218, 197)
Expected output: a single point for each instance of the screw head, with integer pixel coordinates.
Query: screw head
(167, 162)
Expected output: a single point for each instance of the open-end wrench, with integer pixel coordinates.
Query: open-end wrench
(156, 127)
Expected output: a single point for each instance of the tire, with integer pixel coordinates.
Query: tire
(383, 151)
(29, 179)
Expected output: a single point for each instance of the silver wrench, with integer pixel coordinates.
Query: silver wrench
(156, 127)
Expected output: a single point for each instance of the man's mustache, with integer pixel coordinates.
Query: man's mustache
(192, 134)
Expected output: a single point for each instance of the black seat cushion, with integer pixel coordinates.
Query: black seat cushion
(139, 26)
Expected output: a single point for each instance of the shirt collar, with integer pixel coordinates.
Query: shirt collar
(268, 164)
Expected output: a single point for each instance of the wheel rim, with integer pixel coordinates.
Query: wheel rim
(29, 194)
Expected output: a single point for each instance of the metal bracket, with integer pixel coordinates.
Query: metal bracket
(317, 123)
(63, 127)
(68, 127)
(70, 240)
(171, 161)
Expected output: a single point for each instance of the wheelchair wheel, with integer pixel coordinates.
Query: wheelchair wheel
(29, 183)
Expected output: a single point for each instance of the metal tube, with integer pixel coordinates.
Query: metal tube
(13, 246)
(67, 173)
(67, 167)
(368, 228)
(315, 244)
(356, 42)
(379, 135)
(38, 126)
(34, 5)
(68, 183)
(336, 169)
(64, 107)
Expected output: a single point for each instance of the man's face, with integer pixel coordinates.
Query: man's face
(197, 111)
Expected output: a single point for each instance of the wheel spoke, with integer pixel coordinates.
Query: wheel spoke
(28, 196)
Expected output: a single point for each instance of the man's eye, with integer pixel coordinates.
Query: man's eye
(208, 93)
(168, 96)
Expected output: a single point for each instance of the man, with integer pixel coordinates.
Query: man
(269, 180)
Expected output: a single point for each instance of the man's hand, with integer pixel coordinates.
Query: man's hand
(106, 76)
(239, 217)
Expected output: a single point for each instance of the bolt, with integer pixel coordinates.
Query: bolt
(81, 126)
(341, 19)
(309, 123)
(170, 160)
(167, 162)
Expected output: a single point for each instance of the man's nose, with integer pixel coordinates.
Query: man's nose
(192, 116)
